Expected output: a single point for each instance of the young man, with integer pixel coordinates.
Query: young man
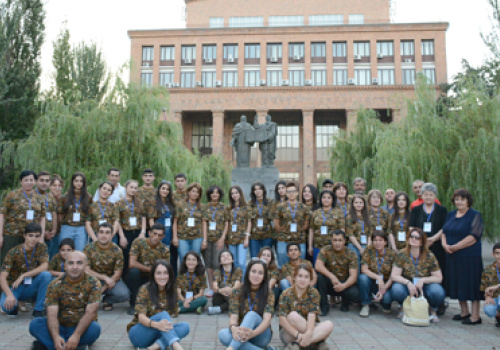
(143, 254)
(417, 189)
(105, 261)
(287, 270)
(24, 273)
(147, 191)
(389, 197)
(119, 190)
(72, 304)
(327, 185)
(42, 186)
(337, 269)
(180, 181)
(490, 285)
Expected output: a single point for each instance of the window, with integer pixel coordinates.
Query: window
(252, 50)
(430, 74)
(407, 48)
(318, 77)
(216, 22)
(274, 77)
(296, 49)
(318, 50)
(362, 76)
(408, 76)
(296, 77)
(167, 53)
(208, 79)
(147, 55)
(246, 21)
(209, 52)
(289, 177)
(230, 51)
(286, 21)
(427, 47)
(274, 50)
(340, 77)
(288, 142)
(356, 19)
(230, 79)
(386, 76)
(201, 137)
(362, 48)
(187, 79)
(147, 79)
(326, 20)
(339, 49)
(166, 78)
(385, 48)
(188, 52)
(252, 77)
(325, 132)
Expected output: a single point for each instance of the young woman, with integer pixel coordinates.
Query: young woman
(226, 278)
(189, 229)
(309, 197)
(375, 278)
(156, 304)
(240, 225)
(191, 284)
(261, 210)
(102, 211)
(379, 217)
(399, 222)
(416, 271)
(250, 311)
(56, 264)
(341, 195)
(359, 227)
(279, 198)
(298, 313)
(273, 273)
(56, 186)
(161, 210)
(73, 210)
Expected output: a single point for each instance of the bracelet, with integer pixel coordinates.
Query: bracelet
(150, 321)
(247, 233)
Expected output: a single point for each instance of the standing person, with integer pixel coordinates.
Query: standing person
(389, 196)
(266, 254)
(226, 278)
(147, 191)
(416, 272)
(279, 199)
(298, 313)
(337, 269)
(180, 182)
(216, 222)
(359, 185)
(417, 189)
(118, 192)
(261, 211)
(399, 221)
(461, 241)
(19, 208)
(341, 193)
(250, 311)
(309, 197)
(191, 284)
(56, 264)
(287, 270)
(56, 186)
(291, 223)
(189, 231)
(102, 210)
(24, 273)
(490, 285)
(359, 226)
(379, 218)
(105, 261)
(155, 306)
(72, 303)
(240, 225)
(42, 186)
(73, 209)
(327, 185)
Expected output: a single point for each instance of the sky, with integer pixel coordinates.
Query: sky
(106, 22)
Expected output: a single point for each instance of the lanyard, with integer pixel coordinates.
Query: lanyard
(362, 223)
(165, 207)
(28, 200)
(62, 266)
(250, 304)
(323, 215)
(415, 265)
(103, 211)
(378, 215)
(46, 198)
(26, 258)
(402, 223)
(379, 265)
(235, 210)
(214, 212)
(294, 211)
(190, 281)
(192, 209)
(260, 209)
(429, 215)
(131, 207)
(77, 204)
(226, 277)
(344, 210)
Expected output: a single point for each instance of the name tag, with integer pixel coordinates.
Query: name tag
(427, 227)
(190, 222)
(378, 227)
(401, 236)
(324, 230)
(28, 280)
(212, 226)
(381, 276)
(260, 222)
(415, 280)
(102, 221)
(364, 239)
(189, 295)
(234, 227)
(76, 217)
(167, 222)
(132, 221)
(30, 214)
(48, 216)
(293, 227)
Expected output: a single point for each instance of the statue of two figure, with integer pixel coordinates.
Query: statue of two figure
(245, 136)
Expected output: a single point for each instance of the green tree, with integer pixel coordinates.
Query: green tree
(62, 59)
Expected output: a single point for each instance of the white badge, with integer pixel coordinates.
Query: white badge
(378, 227)
(189, 295)
(324, 230)
(364, 239)
(427, 227)
(234, 227)
(212, 226)
(190, 222)
(167, 222)
(415, 280)
(28, 280)
(260, 222)
(293, 227)
(102, 221)
(76, 217)
(132, 221)
(48, 216)
(401, 236)
(381, 276)
(30, 214)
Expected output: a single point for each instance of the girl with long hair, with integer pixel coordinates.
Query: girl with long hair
(240, 225)
(379, 217)
(226, 278)
(191, 284)
(359, 226)
(399, 222)
(261, 211)
(102, 211)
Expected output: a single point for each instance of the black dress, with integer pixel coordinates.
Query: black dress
(437, 219)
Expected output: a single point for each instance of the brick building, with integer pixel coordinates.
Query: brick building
(310, 65)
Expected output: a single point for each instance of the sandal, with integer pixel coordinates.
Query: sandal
(107, 307)
(433, 319)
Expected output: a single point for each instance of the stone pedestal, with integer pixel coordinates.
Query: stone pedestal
(245, 177)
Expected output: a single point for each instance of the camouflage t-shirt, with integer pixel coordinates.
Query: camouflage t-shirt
(144, 194)
(229, 279)
(183, 214)
(125, 213)
(288, 269)
(356, 229)
(147, 254)
(192, 284)
(179, 196)
(255, 300)
(73, 297)
(373, 261)
(308, 303)
(338, 263)
(379, 219)
(331, 220)
(422, 268)
(396, 227)
(95, 215)
(104, 261)
(16, 262)
(273, 214)
(297, 215)
(56, 263)
(241, 222)
(218, 215)
(261, 216)
(490, 278)
(50, 204)
(273, 273)
(68, 214)
(15, 208)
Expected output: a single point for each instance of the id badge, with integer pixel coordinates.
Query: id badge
(102, 221)
(401, 236)
(260, 223)
(48, 216)
(190, 222)
(378, 227)
(189, 295)
(381, 276)
(324, 230)
(364, 240)
(427, 227)
(28, 280)
(212, 226)
(415, 280)
(76, 217)
(30, 214)
(234, 227)
(132, 221)
(293, 227)
(167, 222)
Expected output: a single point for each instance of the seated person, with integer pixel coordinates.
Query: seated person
(266, 254)
(72, 304)
(226, 278)
(191, 284)
(56, 264)
(105, 261)
(298, 313)
(490, 285)
(24, 273)
(155, 306)
(288, 269)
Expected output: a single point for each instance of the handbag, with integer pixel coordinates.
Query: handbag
(416, 312)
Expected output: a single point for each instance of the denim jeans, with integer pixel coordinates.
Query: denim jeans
(118, 294)
(282, 253)
(142, 337)
(37, 287)
(284, 284)
(251, 320)
(315, 255)
(367, 287)
(240, 256)
(257, 244)
(491, 310)
(358, 255)
(433, 292)
(40, 330)
(53, 246)
(198, 302)
(77, 234)
(185, 245)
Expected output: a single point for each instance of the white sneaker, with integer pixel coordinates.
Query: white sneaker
(214, 310)
(209, 293)
(365, 311)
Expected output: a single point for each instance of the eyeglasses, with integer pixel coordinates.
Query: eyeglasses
(289, 192)
(418, 238)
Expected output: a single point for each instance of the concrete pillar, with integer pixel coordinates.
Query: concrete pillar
(373, 59)
(218, 132)
(352, 118)
(308, 165)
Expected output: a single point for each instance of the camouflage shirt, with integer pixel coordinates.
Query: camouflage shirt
(372, 261)
(16, 263)
(146, 194)
(274, 212)
(288, 269)
(218, 215)
(182, 214)
(68, 215)
(192, 284)
(73, 297)
(273, 273)
(338, 263)
(490, 278)
(396, 227)
(425, 266)
(50, 204)
(308, 303)
(379, 218)
(146, 254)
(264, 213)
(15, 208)
(332, 221)
(179, 196)
(56, 263)
(104, 261)
(355, 229)
(230, 280)
(125, 213)
(95, 216)
(243, 215)
(234, 303)
(285, 215)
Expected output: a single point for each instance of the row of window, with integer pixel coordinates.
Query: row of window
(285, 21)
(295, 50)
(295, 78)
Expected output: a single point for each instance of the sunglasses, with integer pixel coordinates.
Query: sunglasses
(415, 237)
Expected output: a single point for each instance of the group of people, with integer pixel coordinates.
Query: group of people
(156, 247)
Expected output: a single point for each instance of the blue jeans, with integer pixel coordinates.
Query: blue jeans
(284, 284)
(142, 337)
(257, 244)
(251, 320)
(358, 255)
(282, 253)
(240, 256)
(53, 246)
(433, 292)
(38, 287)
(367, 287)
(77, 234)
(39, 330)
(315, 255)
(491, 310)
(185, 245)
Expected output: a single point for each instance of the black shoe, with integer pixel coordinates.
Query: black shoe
(459, 317)
(13, 314)
(442, 309)
(471, 323)
(325, 311)
(497, 318)
(36, 345)
(131, 310)
(344, 307)
(39, 314)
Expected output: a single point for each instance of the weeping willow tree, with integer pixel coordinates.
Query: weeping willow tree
(124, 131)
(460, 147)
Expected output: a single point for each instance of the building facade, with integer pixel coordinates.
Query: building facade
(310, 65)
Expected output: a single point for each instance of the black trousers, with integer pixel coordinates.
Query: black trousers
(130, 235)
(134, 281)
(325, 288)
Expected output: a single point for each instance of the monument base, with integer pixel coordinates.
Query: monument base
(245, 177)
